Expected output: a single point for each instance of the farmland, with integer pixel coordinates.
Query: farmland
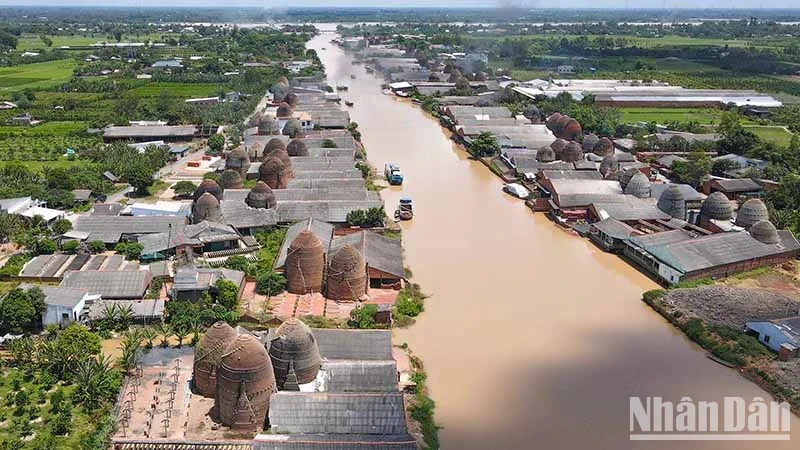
(703, 116)
(35, 76)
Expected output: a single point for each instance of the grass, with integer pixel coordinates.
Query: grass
(36, 75)
(37, 166)
(706, 116)
(778, 135)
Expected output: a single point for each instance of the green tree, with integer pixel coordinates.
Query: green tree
(61, 226)
(97, 246)
(21, 311)
(485, 144)
(70, 246)
(216, 143)
(140, 176)
(96, 382)
(237, 262)
(692, 171)
(184, 188)
(78, 340)
(227, 294)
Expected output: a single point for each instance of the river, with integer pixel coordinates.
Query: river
(531, 337)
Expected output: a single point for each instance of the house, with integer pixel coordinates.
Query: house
(203, 238)
(110, 284)
(610, 234)
(781, 335)
(138, 133)
(143, 311)
(190, 284)
(63, 305)
(680, 255)
(159, 208)
(112, 229)
(733, 189)
(28, 207)
(565, 69)
(167, 64)
(82, 195)
(204, 101)
(25, 120)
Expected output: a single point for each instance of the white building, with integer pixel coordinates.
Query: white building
(565, 69)
(63, 305)
(28, 207)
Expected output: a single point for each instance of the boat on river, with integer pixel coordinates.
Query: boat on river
(348, 102)
(405, 210)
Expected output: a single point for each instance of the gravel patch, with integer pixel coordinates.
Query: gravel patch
(731, 306)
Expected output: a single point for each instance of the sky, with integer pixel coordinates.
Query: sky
(429, 3)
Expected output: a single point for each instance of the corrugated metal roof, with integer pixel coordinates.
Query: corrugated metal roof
(109, 229)
(368, 345)
(358, 376)
(334, 211)
(110, 284)
(334, 442)
(362, 413)
(379, 252)
(689, 255)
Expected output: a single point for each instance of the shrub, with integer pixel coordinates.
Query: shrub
(237, 262)
(97, 246)
(327, 143)
(270, 283)
(363, 317)
(70, 246)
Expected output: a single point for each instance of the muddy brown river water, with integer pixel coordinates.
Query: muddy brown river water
(531, 338)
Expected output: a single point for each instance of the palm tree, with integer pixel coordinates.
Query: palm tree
(165, 330)
(131, 348)
(149, 333)
(124, 317)
(10, 225)
(22, 351)
(196, 326)
(95, 382)
(181, 333)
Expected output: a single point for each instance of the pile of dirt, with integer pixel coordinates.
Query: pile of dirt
(731, 306)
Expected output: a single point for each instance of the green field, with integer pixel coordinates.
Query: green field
(778, 135)
(33, 42)
(44, 130)
(184, 90)
(37, 75)
(705, 116)
(60, 163)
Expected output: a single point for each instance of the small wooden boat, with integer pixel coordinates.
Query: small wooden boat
(720, 361)
(352, 76)
(348, 103)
